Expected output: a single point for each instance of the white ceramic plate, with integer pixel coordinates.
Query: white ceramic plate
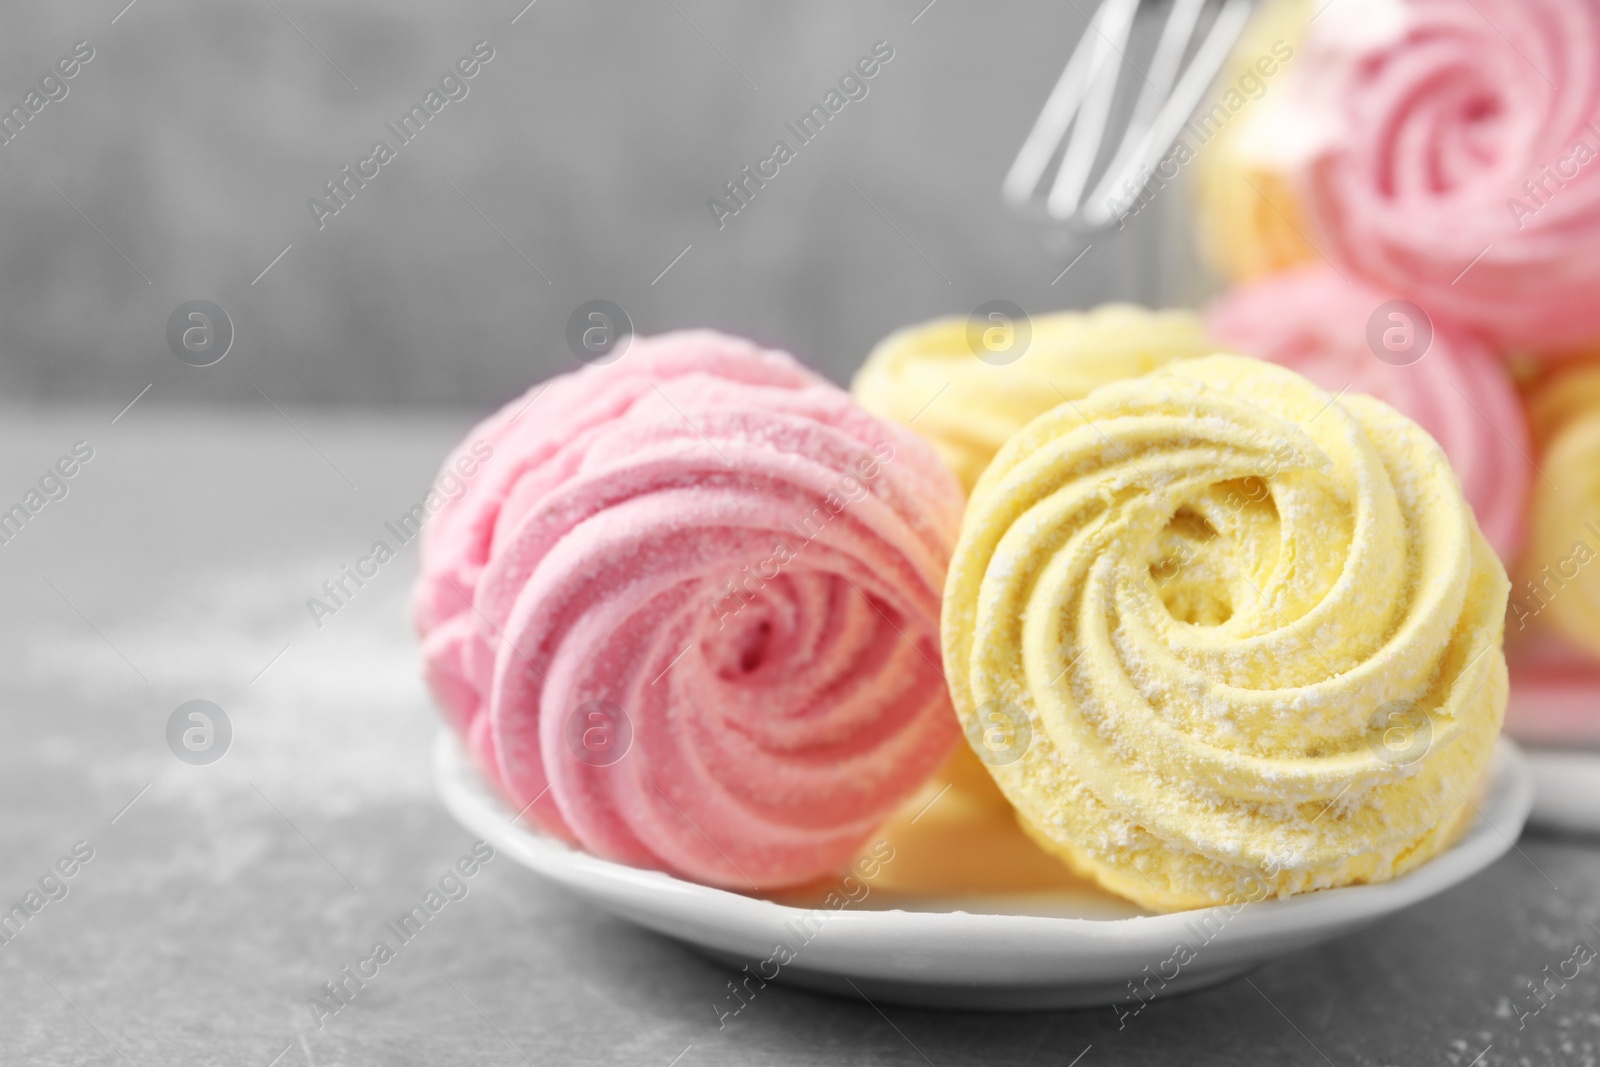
(1567, 793)
(1553, 710)
(1003, 954)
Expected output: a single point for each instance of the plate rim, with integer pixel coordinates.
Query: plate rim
(1566, 796)
(1299, 920)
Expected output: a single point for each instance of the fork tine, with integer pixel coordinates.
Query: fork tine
(1085, 140)
(1058, 112)
(1162, 134)
(1164, 70)
(1074, 119)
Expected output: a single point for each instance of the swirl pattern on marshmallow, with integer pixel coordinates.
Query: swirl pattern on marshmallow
(1250, 635)
(1460, 166)
(687, 611)
(1317, 323)
(929, 378)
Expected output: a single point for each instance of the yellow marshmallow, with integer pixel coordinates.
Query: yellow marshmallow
(1248, 210)
(1241, 637)
(929, 378)
(1559, 577)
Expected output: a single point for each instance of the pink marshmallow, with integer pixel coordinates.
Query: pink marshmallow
(1555, 690)
(1315, 322)
(728, 549)
(1460, 165)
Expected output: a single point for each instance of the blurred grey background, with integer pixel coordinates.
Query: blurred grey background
(180, 163)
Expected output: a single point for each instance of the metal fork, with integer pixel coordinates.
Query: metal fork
(1079, 107)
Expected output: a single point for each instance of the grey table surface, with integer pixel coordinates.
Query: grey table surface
(220, 898)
